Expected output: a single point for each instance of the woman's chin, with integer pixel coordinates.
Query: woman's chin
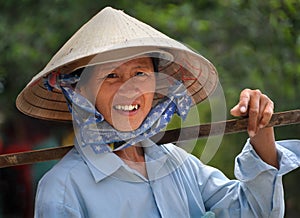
(125, 129)
(128, 127)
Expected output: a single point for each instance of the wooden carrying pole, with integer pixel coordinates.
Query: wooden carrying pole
(169, 136)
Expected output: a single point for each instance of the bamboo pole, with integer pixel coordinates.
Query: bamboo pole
(169, 136)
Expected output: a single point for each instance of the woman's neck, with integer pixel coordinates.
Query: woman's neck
(133, 156)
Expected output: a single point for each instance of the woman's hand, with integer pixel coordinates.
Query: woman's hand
(259, 108)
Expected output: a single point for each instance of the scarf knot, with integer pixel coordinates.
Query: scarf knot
(92, 130)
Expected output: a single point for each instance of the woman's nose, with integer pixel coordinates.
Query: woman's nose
(129, 89)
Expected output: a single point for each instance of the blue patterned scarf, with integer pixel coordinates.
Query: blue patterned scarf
(92, 130)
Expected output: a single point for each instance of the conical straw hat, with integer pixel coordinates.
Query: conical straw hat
(112, 35)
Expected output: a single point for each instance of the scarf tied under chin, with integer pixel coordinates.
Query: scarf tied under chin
(92, 130)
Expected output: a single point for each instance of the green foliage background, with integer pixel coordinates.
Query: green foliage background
(252, 43)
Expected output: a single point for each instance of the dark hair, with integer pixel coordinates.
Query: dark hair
(155, 62)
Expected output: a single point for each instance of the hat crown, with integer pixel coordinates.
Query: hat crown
(112, 35)
(109, 28)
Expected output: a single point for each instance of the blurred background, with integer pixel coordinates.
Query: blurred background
(254, 44)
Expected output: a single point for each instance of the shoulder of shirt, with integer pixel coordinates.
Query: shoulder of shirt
(69, 165)
(180, 154)
(59, 181)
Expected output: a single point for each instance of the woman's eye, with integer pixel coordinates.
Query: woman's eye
(141, 74)
(111, 75)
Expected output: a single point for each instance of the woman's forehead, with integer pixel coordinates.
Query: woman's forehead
(143, 61)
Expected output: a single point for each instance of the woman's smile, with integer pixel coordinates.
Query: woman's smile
(124, 93)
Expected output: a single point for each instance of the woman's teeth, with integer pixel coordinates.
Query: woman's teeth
(126, 107)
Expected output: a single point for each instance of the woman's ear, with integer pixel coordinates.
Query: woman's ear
(78, 89)
(86, 92)
(81, 89)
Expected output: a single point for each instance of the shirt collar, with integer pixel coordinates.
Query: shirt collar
(163, 160)
(109, 164)
(105, 165)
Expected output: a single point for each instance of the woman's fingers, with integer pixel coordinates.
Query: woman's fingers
(241, 109)
(254, 112)
(267, 111)
(257, 106)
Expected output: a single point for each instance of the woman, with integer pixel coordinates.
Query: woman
(123, 81)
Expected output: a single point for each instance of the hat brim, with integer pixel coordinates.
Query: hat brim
(197, 74)
(111, 35)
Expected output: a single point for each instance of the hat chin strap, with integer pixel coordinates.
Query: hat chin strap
(92, 130)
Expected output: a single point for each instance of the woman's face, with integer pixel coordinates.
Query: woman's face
(122, 92)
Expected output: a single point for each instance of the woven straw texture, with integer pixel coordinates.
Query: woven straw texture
(113, 35)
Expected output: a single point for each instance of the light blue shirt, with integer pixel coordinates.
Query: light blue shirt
(178, 185)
